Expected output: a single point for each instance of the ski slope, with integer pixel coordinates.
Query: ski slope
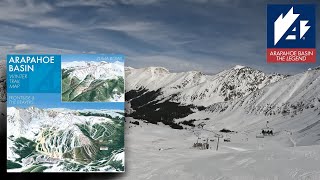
(159, 152)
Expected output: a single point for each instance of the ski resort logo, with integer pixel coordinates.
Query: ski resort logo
(291, 33)
(283, 23)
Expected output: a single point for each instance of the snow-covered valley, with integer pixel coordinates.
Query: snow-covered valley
(160, 152)
(175, 109)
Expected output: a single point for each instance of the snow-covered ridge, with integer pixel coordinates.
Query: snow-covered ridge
(238, 67)
(73, 64)
(98, 70)
(24, 121)
(194, 87)
(289, 105)
(303, 88)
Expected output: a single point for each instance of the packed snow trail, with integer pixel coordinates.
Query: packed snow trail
(235, 160)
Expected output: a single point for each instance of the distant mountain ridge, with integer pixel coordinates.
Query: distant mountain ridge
(99, 70)
(197, 88)
(92, 81)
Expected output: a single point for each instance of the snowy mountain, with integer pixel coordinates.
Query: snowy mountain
(98, 70)
(240, 99)
(288, 96)
(287, 105)
(176, 95)
(92, 81)
(196, 88)
(290, 105)
(90, 138)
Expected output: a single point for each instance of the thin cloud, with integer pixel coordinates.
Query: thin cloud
(129, 27)
(31, 49)
(21, 47)
(13, 10)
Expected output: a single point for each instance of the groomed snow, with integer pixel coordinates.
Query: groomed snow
(159, 152)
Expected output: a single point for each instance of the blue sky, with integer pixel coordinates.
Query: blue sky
(203, 35)
(53, 100)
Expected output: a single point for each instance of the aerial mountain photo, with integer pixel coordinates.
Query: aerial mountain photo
(65, 140)
(93, 81)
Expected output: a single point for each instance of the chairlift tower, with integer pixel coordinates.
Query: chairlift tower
(218, 136)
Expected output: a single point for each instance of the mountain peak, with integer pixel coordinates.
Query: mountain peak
(315, 68)
(158, 70)
(128, 68)
(238, 67)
